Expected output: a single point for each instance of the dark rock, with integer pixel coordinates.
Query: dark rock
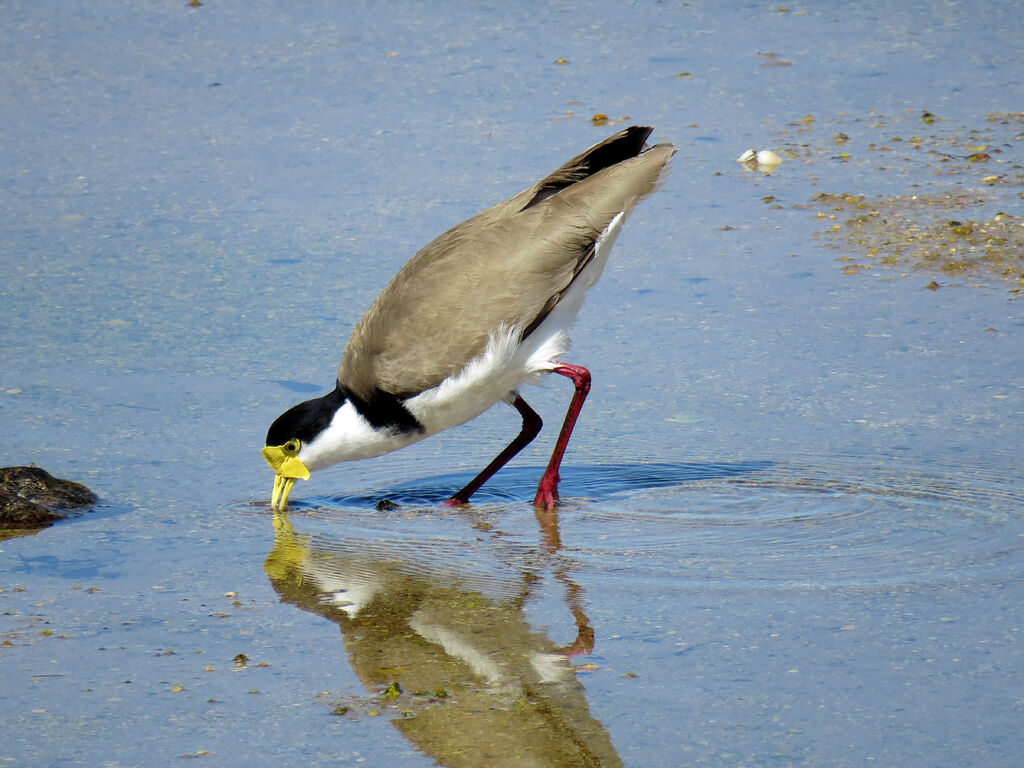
(17, 512)
(30, 497)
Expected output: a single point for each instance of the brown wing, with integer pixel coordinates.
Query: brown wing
(505, 266)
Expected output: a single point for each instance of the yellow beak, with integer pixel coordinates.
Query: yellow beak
(287, 469)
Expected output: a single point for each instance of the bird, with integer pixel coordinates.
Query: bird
(478, 312)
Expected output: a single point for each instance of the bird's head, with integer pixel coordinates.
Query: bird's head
(289, 446)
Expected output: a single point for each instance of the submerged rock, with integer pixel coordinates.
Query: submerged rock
(30, 497)
(18, 512)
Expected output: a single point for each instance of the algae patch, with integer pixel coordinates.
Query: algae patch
(924, 194)
(934, 233)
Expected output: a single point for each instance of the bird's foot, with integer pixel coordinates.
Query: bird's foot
(455, 501)
(547, 493)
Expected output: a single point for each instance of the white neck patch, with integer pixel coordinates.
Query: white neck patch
(350, 436)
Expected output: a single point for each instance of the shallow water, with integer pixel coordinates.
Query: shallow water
(791, 531)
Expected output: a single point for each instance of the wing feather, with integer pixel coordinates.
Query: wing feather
(505, 267)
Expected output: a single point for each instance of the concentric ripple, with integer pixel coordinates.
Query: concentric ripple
(749, 525)
(813, 525)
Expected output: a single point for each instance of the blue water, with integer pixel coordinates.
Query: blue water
(792, 506)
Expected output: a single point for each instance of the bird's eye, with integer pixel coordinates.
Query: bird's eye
(292, 447)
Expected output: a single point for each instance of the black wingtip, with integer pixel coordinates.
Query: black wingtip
(637, 136)
(627, 143)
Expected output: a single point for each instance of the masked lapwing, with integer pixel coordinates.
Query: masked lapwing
(481, 310)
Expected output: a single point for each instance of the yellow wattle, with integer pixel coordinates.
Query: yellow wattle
(287, 469)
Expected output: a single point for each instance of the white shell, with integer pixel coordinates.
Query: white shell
(764, 160)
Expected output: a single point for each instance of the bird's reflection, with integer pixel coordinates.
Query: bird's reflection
(481, 686)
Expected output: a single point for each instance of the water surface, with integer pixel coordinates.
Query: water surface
(791, 531)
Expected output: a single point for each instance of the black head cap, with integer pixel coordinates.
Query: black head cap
(306, 420)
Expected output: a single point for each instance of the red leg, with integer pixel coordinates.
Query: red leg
(531, 426)
(547, 489)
